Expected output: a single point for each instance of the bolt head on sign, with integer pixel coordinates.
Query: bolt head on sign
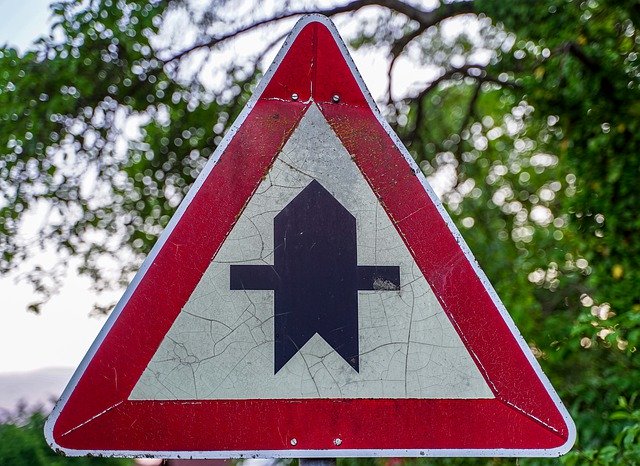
(310, 298)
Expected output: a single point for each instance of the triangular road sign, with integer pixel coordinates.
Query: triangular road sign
(311, 297)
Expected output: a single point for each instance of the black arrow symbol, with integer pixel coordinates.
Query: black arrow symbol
(315, 276)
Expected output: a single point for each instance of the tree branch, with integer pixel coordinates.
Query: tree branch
(448, 74)
(470, 107)
(352, 6)
(396, 50)
(575, 50)
(592, 65)
(429, 18)
(425, 18)
(475, 71)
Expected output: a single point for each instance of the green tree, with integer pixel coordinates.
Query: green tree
(531, 120)
(22, 444)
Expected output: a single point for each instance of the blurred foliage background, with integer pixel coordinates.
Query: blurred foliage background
(22, 444)
(524, 115)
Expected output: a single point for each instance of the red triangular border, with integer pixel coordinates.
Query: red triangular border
(94, 414)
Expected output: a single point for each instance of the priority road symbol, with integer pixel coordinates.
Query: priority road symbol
(314, 276)
(310, 298)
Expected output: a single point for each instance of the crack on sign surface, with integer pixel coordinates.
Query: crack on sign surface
(221, 346)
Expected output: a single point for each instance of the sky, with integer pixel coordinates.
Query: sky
(61, 335)
(22, 22)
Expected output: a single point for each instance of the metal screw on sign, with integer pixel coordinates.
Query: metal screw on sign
(294, 96)
(336, 98)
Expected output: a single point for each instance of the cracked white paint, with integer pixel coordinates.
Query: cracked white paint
(221, 344)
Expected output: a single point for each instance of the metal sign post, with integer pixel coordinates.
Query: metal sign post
(317, 461)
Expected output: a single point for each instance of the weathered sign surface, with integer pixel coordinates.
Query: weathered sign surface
(311, 297)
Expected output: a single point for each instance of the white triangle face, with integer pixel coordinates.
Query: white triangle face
(221, 346)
